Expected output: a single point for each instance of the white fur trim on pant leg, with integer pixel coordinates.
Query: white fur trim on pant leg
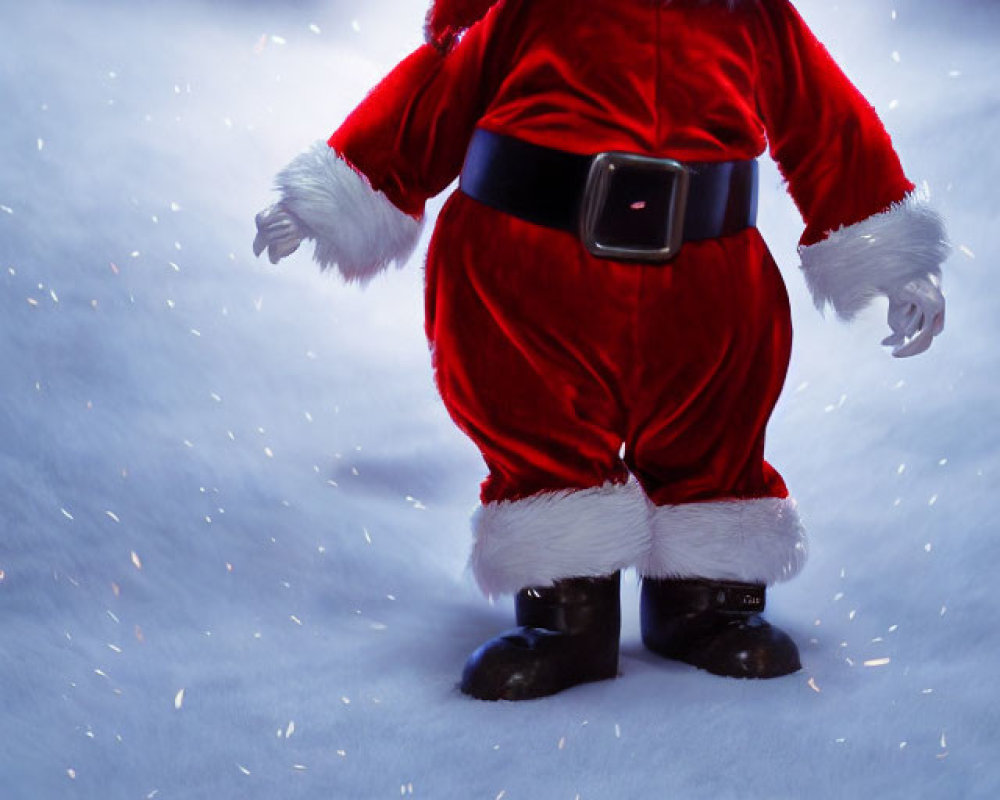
(758, 540)
(859, 262)
(546, 537)
(355, 227)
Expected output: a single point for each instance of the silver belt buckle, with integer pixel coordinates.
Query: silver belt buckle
(603, 170)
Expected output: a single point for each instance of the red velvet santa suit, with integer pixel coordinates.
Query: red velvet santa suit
(571, 372)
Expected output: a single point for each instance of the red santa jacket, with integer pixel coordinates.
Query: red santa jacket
(693, 80)
(685, 80)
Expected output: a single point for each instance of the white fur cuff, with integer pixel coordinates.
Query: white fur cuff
(859, 262)
(355, 227)
(750, 541)
(556, 535)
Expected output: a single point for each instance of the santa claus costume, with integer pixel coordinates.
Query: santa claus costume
(605, 320)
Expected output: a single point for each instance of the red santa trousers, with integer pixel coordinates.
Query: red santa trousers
(571, 372)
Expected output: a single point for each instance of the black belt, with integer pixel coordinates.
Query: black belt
(621, 205)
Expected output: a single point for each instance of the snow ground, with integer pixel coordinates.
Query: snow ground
(234, 513)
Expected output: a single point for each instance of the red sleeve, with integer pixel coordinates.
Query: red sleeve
(409, 135)
(828, 141)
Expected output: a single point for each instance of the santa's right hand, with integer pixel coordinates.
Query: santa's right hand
(279, 232)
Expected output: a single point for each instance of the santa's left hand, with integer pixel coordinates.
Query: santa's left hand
(916, 316)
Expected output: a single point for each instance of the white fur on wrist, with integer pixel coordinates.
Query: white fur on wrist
(355, 227)
(859, 262)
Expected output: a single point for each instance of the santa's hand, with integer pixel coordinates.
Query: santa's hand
(279, 232)
(916, 316)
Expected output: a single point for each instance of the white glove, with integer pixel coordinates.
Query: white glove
(279, 232)
(916, 316)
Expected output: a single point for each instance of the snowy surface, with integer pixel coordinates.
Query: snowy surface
(234, 515)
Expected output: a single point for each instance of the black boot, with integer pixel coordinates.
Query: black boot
(568, 635)
(715, 626)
